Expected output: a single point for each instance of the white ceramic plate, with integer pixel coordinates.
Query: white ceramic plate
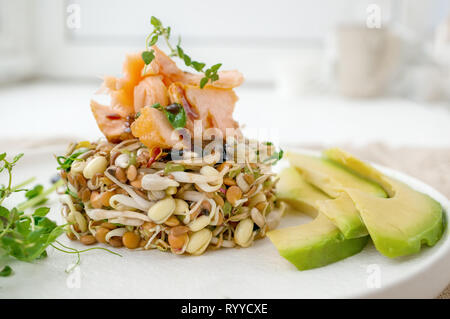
(255, 272)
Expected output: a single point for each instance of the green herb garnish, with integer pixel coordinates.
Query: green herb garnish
(65, 163)
(210, 74)
(26, 236)
(175, 113)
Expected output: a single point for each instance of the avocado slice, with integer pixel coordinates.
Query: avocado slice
(356, 165)
(301, 195)
(333, 179)
(314, 244)
(298, 193)
(343, 213)
(398, 225)
(330, 176)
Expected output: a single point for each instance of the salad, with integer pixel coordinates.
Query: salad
(175, 172)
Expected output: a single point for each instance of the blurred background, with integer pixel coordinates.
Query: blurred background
(349, 71)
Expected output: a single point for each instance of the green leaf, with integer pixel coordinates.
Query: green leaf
(157, 106)
(137, 115)
(16, 158)
(155, 22)
(27, 244)
(6, 271)
(187, 60)
(148, 56)
(216, 67)
(177, 120)
(41, 212)
(203, 82)
(180, 52)
(4, 212)
(153, 41)
(198, 66)
(2, 156)
(35, 191)
(159, 30)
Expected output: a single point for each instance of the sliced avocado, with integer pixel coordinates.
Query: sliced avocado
(301, 195)
(333, 179)
(356, 165)
(330, 176)
(298, 193)
(343, 213)
(317, 243)
(400, 224)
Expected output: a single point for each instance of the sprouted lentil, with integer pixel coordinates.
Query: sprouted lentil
(124, 195)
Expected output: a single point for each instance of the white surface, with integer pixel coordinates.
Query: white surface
(57, 110)
(255, 272)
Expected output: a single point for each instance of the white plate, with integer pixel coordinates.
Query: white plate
(255, 272)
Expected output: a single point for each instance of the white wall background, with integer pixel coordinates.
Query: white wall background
(255, 36)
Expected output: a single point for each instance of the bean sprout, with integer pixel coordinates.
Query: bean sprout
(123, 195)
(143, 204)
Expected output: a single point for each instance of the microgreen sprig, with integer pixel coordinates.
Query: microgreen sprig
(210, 74)
(26, 236)
(65, 163)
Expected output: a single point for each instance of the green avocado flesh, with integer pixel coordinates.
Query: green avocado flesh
(334, 179)
(343, 213)
(298, 193)
(331, 177)
(398, 225)
(314, 244)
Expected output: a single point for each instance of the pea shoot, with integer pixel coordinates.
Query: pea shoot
(210, 74)
(65, 163)
(26, 236)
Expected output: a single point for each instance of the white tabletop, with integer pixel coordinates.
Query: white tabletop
(37, 110)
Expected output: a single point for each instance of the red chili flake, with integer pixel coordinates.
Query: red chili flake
(113, 117)
(155, 152)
